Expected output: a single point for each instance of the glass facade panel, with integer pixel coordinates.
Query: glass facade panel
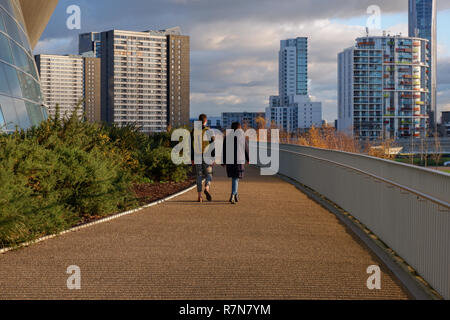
(5, 49)
(4, 87)
(22, 113)
(19, 16)
(30, 88)
(9, 113)
(25, 41)
(20, 91)
(2, 120)
(20, 58)
(32, 68)
(44, 111)
(6, 4)
(2, 25)
(12, 28)
(35, 113)
(13, 80)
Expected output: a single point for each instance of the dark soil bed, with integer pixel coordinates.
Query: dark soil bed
(151, 192)
(147, 193)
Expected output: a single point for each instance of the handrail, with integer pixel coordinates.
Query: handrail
(402, 187)
(369, 157)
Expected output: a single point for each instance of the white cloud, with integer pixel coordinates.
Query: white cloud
(55, 46)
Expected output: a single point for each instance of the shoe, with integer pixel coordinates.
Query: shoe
(208, 196)
(236, 197)
(233, 199)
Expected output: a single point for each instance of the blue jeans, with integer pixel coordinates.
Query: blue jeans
(234, 186)
(203, 171)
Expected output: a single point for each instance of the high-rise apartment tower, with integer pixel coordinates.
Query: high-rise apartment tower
(145, 78)
(293, 68)
(422, 24)
(383, 88)
(293, 109)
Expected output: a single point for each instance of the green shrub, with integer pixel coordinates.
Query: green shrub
(55, 176)
(64, 172)
(152, 153)
(159, 166)
(25, 212)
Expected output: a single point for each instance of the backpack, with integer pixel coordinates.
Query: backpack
(204, 144)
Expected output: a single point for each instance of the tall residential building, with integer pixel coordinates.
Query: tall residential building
(293, 109)
(247, 119)
(293, 68)
(383, 87)
(178, 80)
(422, 24)
(145, 78)
(21, 24)
(89, 44)
(68, 82)
(62, 83)
(92, 89)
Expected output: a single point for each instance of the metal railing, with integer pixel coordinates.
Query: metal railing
(424, 146)
(407, 207)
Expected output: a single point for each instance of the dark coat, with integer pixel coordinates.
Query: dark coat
(235, 170)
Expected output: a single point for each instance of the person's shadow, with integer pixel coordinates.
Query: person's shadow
(196, 203)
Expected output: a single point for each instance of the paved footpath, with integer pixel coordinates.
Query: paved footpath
(275, 244)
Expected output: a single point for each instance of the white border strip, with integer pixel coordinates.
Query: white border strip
(90, 224)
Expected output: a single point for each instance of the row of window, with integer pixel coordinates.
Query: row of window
(159, 92)
(130, 80)
(131, 38)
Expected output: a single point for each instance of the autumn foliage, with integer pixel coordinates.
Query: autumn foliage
(326, 138)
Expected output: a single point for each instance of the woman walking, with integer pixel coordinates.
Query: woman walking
(235, 167)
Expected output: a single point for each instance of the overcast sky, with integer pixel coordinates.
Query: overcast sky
(234, 44)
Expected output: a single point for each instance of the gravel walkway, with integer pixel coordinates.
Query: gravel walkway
(275, 244)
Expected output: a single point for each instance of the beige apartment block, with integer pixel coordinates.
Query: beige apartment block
(71, 82)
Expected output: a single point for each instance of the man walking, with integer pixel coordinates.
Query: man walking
(203, 170)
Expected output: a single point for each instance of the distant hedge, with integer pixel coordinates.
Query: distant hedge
(65, 172)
